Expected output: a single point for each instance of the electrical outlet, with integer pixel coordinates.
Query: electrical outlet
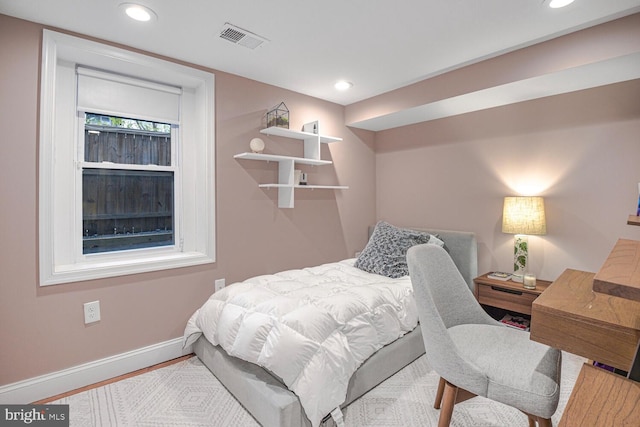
(91, 312)
(219, 284)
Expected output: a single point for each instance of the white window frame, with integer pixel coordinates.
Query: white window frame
(60, 213)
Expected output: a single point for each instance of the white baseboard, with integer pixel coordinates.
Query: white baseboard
(55, 383)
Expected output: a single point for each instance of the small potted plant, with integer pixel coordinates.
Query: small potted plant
(278, 116)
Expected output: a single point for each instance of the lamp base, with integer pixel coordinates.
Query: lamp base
(520, 255)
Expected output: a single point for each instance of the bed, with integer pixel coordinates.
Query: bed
(262, 384)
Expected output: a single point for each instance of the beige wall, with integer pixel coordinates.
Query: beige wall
(42, 329)
(580, 151)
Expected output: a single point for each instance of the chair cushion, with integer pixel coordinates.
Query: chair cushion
(520, 372)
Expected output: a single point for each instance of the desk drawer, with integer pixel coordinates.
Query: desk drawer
(509, 299)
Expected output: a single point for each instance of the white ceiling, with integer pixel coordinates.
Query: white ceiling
(378, 45)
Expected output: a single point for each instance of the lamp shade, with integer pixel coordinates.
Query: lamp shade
(524, 215)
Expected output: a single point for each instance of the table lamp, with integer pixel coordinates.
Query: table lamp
(522, 216)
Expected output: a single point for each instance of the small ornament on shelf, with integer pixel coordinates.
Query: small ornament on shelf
(278, 116)
(256, 145)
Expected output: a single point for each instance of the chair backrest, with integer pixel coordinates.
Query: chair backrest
(444, 300)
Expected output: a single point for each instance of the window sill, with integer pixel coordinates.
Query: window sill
(94, 269)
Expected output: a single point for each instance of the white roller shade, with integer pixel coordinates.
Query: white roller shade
(122, 96)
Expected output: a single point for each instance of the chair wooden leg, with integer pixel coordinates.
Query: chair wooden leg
(448, 402)
(439, 394)
(544, 422)
(537, 421)
(463, 395)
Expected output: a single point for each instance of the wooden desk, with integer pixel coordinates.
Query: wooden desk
(571, 317)
(620, 274)
(600, 398)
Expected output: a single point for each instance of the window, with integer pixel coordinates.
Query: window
(116, 129)
(127, 184)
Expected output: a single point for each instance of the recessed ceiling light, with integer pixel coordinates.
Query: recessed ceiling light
(138, 12)
(343, 85)
(559, 3)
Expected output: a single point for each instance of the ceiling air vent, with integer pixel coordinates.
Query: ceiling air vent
(242, 37)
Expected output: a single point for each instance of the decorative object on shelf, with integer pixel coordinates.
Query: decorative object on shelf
(256, 145)
(523, 216)
(499, 275)
(638, 210)
(635, 219)
(529, 281)
(278, 116)
(303, 178)
(311, 127)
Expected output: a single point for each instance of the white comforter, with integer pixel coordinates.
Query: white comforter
(311, 327)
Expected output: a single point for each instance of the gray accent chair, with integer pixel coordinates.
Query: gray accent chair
(474, 354)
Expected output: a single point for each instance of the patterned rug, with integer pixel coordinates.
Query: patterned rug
(187, 394)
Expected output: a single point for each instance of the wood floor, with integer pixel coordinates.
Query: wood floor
(113, 380)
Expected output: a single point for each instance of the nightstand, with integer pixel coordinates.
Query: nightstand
(506, 294)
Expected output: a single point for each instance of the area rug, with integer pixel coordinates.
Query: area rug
(187, 394)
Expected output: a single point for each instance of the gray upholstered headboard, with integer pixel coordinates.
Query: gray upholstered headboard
(463, 248)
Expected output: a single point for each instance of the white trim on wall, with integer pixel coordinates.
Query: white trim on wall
(48, 385)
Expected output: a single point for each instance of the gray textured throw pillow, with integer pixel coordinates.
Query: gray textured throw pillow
(386, 251)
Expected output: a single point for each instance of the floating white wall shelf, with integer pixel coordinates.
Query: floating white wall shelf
(286, 164)
(278, 158)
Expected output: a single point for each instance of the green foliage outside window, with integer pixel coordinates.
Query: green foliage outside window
(119, 122)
